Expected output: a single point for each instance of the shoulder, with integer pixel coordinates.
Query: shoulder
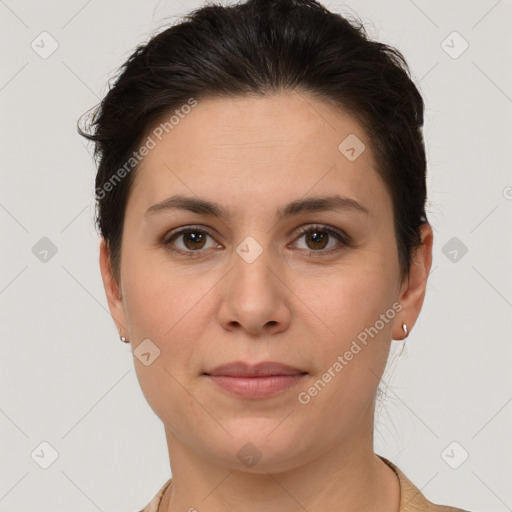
(412, 499)
(153, 505)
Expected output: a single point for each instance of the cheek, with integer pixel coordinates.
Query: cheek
(160, 299)
(352, 352)
(353, 320)
(347, 300)
(163, 307)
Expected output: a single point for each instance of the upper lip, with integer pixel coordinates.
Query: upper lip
(263, 369)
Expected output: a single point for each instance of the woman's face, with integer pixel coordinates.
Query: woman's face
(248, 286)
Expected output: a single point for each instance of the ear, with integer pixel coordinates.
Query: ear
(412, 293)
(112, 290)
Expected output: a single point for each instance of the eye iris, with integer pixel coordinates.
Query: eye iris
(194, 238)
(319, 239)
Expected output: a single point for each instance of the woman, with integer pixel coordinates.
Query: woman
(261, 202)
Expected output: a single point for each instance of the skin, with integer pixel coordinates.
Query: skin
(252, 156)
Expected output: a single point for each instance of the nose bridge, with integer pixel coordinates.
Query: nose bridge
(254, 297)
(252, 274)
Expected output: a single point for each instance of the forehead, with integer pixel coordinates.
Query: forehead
(254, 147)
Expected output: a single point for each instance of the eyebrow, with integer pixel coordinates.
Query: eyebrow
(205, 207)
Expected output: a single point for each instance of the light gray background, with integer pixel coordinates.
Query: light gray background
(67, 380)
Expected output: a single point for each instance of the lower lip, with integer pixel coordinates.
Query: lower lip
(256, 387)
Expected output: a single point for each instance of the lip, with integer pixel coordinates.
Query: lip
(255, 381)
(263, 369)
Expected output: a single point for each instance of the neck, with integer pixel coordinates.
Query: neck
(348, 478)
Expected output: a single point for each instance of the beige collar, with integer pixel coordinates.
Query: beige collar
(411, 498)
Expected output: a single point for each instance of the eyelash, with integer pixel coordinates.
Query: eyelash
(342, 237)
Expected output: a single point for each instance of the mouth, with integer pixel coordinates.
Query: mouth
(255, 381)
(263, 369)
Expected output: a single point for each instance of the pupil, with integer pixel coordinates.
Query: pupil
(194, 238)
(318, 239)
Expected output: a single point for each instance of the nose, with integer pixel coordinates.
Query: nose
(255, 297)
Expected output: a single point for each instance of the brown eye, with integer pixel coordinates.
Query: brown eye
(321, 239)
(189, 241)
(193, 240)
(316, 239)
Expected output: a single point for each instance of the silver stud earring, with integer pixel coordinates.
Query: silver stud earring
(124, 340)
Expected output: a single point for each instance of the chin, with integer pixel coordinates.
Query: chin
(257, 445)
